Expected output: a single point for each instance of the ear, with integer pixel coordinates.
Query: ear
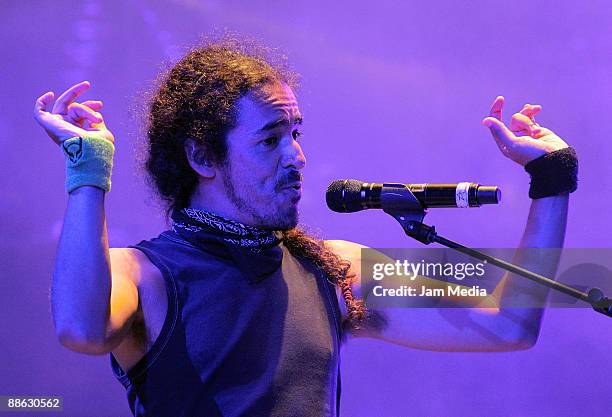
(198, 160)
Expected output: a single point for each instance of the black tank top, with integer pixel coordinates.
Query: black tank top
(245, 335)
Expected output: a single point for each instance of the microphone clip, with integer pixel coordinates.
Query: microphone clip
(404, 207)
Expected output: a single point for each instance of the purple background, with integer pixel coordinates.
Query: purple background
(392, 91)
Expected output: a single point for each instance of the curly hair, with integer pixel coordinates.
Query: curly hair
(337, 271)
(197, 100)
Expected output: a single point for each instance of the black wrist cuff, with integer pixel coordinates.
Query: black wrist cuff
(553, 174)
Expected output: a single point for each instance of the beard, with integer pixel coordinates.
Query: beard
(279, 219)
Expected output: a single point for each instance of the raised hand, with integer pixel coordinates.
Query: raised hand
(524, 140)
(67, 118)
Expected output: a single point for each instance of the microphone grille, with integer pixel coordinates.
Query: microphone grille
(343, 196)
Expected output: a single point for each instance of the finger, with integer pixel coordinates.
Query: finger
(522, 125)
(496, 108)
(502, 135)
(93, 104)
(94, 126)
(68, 96)
(91, 126)
(530, 110)
(537, 132)
(42, 104)
(77, 112)
(520, 122)
(87, 125)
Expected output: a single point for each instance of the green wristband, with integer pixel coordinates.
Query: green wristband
(89, 161)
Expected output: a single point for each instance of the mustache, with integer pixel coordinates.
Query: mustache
(291, 177)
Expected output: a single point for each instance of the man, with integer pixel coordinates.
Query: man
(234, 311)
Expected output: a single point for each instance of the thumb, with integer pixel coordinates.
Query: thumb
(41, 105)
(500, 132)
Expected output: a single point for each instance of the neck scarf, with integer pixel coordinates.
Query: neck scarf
(256, 251)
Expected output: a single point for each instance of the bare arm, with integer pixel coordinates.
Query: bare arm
(92, 307)
(478, 323)
(483, 324)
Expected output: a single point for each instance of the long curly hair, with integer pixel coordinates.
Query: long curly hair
(337, 270)
(196, 100)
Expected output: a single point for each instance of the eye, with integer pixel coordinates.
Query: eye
(271, 141)
(296, 134)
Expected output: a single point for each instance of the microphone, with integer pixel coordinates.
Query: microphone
(348, 196)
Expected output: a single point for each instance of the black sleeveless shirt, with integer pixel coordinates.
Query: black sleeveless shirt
(245, 334)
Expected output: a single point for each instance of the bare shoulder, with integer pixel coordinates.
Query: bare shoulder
(351, 252)
(133, 264)
(131, 268)
(346, 249)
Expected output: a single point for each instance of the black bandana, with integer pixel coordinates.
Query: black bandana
(256, 251)
(192, 220)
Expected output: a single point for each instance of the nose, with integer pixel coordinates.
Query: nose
(294, 156)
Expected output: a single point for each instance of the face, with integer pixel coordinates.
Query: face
(262, 176)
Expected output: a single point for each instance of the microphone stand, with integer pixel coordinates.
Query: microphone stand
(411, 220)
